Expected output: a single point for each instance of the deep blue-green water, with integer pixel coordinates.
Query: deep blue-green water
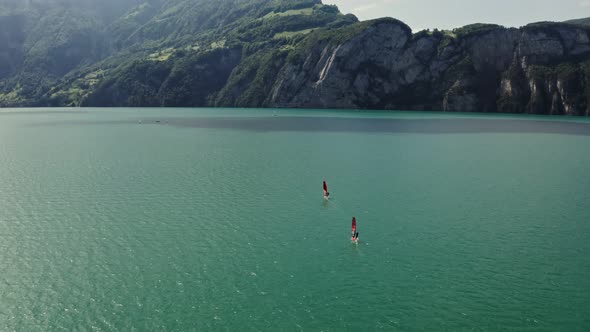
(213, 220)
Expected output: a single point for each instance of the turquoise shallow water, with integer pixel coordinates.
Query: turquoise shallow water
(213, 220)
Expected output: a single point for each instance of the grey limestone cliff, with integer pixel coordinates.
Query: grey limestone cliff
(536, 69)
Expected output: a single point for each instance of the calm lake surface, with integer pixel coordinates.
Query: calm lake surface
(213, 220)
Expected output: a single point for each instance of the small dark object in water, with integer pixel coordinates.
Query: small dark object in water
(157, 121)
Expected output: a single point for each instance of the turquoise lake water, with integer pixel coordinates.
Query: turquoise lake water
(213, 220)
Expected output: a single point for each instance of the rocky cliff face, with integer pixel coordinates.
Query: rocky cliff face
(363, 72)
(535, 69)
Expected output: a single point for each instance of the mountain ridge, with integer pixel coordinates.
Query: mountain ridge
(303, 54)
(580, 21)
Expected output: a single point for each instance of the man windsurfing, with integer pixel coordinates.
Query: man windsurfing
(326, 192)
(355, 234)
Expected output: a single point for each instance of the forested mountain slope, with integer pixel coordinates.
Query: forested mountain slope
(281, 53)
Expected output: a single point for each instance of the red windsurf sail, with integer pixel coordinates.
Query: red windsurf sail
(325, 187)
(353, 225)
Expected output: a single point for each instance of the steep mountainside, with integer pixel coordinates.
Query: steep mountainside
(541, 68)
(42, 40)
(282, 53)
